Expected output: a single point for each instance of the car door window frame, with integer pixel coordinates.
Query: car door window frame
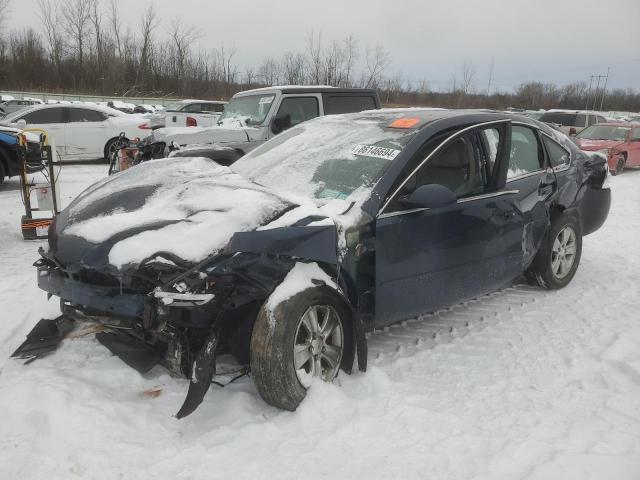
(382, 213)
(315, 96)
(541, 148)
(559, 168)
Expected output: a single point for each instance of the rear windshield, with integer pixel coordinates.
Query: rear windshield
(561, 118)
(604, 132)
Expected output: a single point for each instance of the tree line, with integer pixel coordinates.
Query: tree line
(87, 47)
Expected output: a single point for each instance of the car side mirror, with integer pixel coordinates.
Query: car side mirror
(280, 123)
(21, 123)
(432, 195)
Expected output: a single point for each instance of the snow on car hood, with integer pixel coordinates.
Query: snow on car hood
(591, 145)
(189, 207)
(190, 135)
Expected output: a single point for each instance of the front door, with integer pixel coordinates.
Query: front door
(430, 258)
(85, 133)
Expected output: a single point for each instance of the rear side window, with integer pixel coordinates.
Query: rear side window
(347, 104)
(46, 115)
(85, 115)
(558, 156)
(526, 154)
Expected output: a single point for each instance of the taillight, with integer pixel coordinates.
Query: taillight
(191, 122)
(144, 126)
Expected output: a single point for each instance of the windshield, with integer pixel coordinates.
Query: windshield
(329, 157)
(604, 132)
(249, 110)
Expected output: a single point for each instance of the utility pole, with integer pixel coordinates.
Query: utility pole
(595, 95)
(604, 90)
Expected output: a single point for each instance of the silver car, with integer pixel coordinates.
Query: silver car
(11, 106)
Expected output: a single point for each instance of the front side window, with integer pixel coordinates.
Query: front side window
(558, 156)
(299, 109)
(44, 116)
(635, 136)
(526, 155)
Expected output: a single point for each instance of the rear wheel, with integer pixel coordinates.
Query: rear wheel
(558, 258)
(111, 147)
(302, 339)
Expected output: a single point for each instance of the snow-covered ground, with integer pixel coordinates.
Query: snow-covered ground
(520, 384)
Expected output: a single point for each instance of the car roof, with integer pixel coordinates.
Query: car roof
(45, 106)
(619, 124)
(421, 117)
(304, 89)
(193, 100)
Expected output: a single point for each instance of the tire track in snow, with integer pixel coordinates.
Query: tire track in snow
(408, 337)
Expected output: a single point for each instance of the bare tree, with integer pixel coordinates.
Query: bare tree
(4, 13)
(269, 72)
(147, 26)
(377, 60)
(314, 48)
(51, 18)
(229, 71)
(76, 16)
(293, 68)
(468, 71)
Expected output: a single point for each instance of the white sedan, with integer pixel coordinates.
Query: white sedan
(80, 132)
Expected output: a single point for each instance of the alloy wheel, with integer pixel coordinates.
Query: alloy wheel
(563, 254)
(318, 344)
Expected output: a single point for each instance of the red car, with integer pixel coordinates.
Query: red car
(620, 142)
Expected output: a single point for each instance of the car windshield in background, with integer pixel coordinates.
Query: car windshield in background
(604, 132)
(561, 118)
(249, 110)
(175, 106)
(325, 158)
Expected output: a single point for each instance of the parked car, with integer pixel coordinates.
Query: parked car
(572, 122)
(80, 132)
(254, 116)
(9, 159)
(188, 113)
(339, 225)
(620, 142)
(11, 106)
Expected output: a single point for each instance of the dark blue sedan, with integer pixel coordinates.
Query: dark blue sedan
(339, 225)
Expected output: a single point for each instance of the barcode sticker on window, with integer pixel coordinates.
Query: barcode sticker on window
(374, 151)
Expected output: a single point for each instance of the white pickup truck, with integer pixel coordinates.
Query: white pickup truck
(188, 113)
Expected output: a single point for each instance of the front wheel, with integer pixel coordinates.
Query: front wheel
(558, 258)
(301, 339)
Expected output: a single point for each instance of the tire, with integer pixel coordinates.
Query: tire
(108, 148)
(3, 173)
(557, 260)
(277, 333)
(619, 167)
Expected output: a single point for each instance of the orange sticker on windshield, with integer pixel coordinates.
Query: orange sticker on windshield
(405, 123)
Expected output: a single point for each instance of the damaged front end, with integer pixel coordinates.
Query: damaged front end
(165, 311)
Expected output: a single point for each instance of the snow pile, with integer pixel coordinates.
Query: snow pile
(205, 203)
(543, 386)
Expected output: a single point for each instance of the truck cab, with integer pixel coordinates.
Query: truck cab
(254, 116)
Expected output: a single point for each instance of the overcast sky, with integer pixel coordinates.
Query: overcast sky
(557, 41)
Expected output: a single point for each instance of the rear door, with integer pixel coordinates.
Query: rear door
(86, 133)
(535, 183)
(430, 258)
